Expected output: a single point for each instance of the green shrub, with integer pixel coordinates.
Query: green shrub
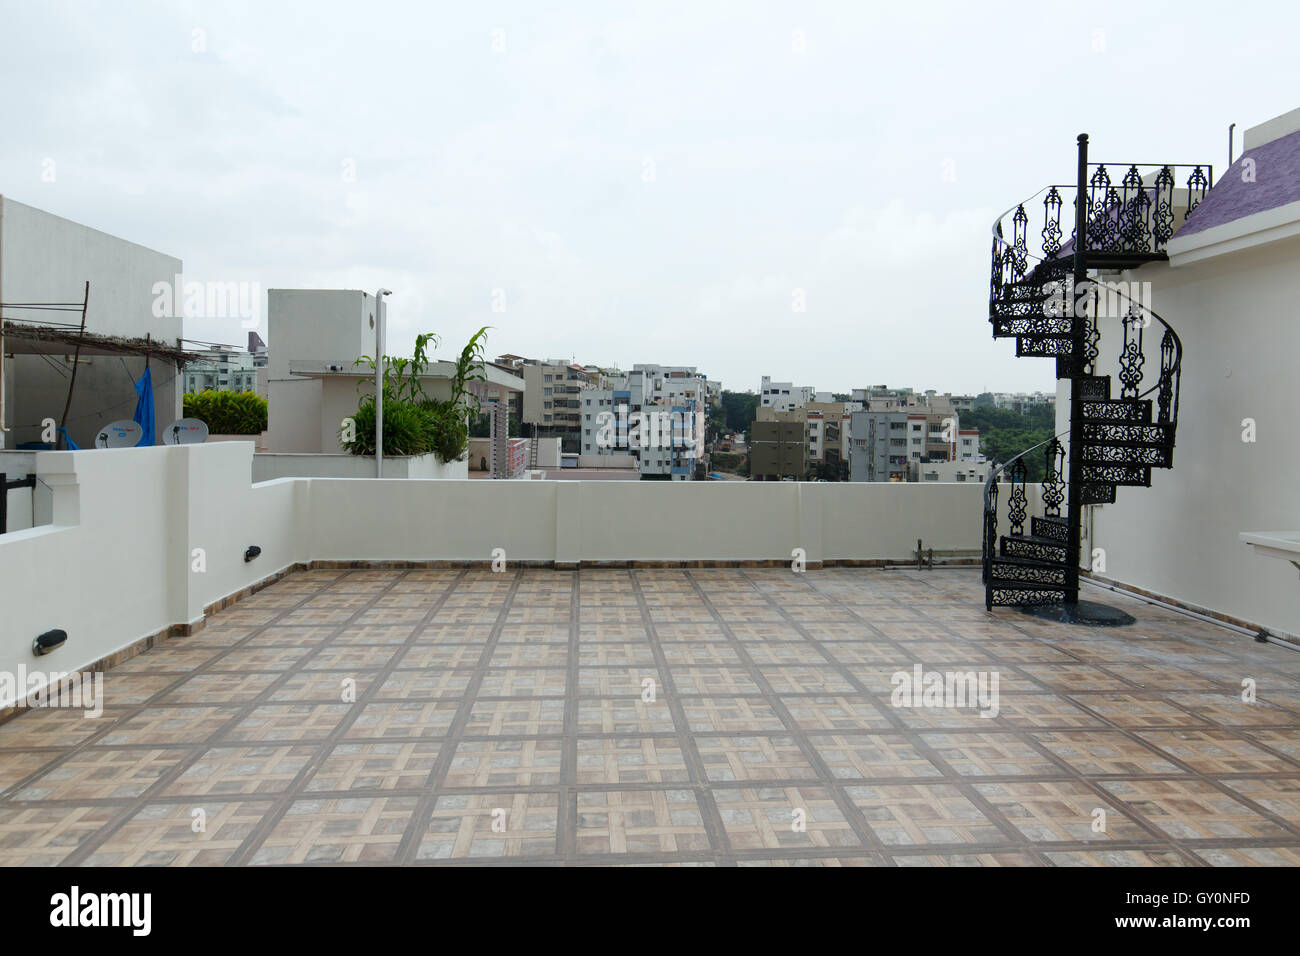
(415, 424)
(228, 413)
(724, 460)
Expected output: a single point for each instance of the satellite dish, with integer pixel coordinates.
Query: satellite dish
(185, 431)
(123, 434)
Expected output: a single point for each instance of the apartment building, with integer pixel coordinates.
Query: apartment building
(778, 449)
(878, 446)
(948, 471)
(885, 443)
(222, 369)
(783, 396)
(826, 428)
(552, 400)
(1022, 402)
(653, 413)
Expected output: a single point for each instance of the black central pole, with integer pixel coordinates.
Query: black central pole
(1078, 342)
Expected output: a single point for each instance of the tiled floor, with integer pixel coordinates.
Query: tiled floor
(659, 716)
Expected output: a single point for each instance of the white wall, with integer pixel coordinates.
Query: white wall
(118, 563)
(45, 258)
(1236, 318)
(269, 465)
(310, 325)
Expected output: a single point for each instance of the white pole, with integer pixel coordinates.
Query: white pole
(379, 381)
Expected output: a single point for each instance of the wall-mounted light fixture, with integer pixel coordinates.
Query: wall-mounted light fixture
(252, 552)
(49, 641)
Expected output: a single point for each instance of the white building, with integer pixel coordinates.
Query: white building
(948, 471)
(1023, 401)
(222, 369)
(47, 261)
(313, 381)
(658, 419)
(1228, 289)
(784, 396)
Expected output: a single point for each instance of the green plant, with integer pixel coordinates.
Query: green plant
(414, 423)
(226, 412)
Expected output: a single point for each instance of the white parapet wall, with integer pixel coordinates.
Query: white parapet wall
(141, 539)
(269, 465)
(146, 538)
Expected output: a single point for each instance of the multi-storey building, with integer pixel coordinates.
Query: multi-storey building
(826, 428)
(783, 396)
(654, 413)
(778, 449)
(1022, 402)
(222, 369)
(878, 447)
(885, 442)
(552, 402)
(948, 471)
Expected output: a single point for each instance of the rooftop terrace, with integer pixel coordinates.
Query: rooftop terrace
(504, 717)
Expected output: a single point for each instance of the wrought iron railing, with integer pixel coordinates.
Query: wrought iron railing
(1053, 493)
(1042, 297)
(1132, 217)
(1034, 290)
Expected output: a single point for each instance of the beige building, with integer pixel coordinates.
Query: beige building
(552, 402)
(825, 425)
(312, 380)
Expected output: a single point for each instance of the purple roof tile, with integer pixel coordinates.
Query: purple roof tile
(1277, 182)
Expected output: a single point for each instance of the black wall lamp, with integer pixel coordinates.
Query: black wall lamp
(49, 641)
(252, 552)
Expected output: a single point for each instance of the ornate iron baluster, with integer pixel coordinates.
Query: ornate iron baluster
(995, 278)
(1129, 221)
(1052, 224)
(1167, 396)
(1095, 214)
(1091, 336)
(990, 526)
(1104, 207)
(1197, 186)
(1163, 213)
(1131, 358)
(1053, 479)
(1020, 242)
(1017, 504)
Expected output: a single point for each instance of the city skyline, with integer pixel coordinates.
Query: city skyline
(620, 185)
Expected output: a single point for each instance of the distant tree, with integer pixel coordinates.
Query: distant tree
(740, 409)
(715, 424)
(984, 399)
(481, 427)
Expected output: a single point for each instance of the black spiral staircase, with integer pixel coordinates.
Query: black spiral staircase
(1054, 301)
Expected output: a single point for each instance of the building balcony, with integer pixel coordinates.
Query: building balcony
(774, 689)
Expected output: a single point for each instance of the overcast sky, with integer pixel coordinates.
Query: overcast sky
(641, 182)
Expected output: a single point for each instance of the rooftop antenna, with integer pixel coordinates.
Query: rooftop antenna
(185, 431)
(120, 434)
(1231, 127)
